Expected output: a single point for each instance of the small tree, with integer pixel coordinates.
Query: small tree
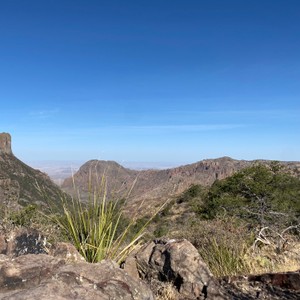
(264, 195)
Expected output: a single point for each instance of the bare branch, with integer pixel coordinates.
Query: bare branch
(289, 228)
(278, 213)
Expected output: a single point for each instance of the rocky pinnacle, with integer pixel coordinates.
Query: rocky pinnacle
(5, 143)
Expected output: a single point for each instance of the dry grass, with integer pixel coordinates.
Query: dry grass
(221, 243)
(167, 292)
(267, 259)
(224, 259)
(226, 245)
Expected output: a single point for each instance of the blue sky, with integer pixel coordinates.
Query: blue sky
(157, 81)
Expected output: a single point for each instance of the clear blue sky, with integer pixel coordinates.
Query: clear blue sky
(157, 81)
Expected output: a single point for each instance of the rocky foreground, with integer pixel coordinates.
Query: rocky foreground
(30, 269)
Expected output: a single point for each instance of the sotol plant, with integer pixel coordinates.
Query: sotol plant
(93, 227)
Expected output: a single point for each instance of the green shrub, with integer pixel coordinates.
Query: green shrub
(262, 195)
(195, 191)
(24, 216)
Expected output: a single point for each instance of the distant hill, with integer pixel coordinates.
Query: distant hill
(154, 186)
(119, 179)
(19, 183)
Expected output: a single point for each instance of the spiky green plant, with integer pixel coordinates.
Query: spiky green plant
(93, 226)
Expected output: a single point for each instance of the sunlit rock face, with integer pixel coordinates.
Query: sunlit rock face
(5, 143)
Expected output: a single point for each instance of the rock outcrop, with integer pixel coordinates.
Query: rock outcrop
(21, 184)
(5, 143)
(22, 241)
(30, 269)
(62, 275)
(47, 277)
(177, 262)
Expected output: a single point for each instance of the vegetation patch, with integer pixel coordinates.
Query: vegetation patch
(248, 222)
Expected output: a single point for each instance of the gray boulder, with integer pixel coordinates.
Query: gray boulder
(178, 262)
(46, 277)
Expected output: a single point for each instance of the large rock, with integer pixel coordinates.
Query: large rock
(66, 251)
(30, 269)
(178, 262)
(46, 277)
(22, 241)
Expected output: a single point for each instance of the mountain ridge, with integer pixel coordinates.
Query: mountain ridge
(154, 186)
(21, 183)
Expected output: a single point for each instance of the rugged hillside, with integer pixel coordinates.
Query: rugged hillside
(150, 184)
(118, 179)
(154, 186)
(19, 183)
(163, 183)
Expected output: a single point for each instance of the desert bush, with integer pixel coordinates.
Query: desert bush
(24, 216)
(222, 243)
(31, 216)
(195, 191)
(266, 258)
(262, 195)
(274, 251)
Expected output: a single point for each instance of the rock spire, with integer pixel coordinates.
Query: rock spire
(5, 143)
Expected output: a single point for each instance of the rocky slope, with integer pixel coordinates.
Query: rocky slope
(20, 183)
(161, 269)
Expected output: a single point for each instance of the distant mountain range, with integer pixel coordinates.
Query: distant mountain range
(154, 186)
(59, 170)
(20, 183)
